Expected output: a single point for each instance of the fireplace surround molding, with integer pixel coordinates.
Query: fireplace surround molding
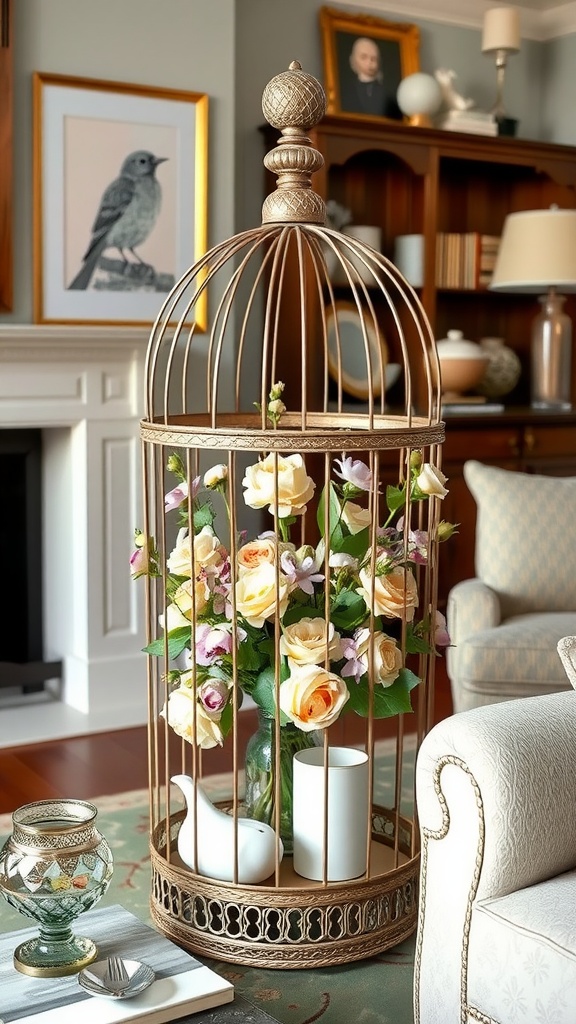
(84, 387)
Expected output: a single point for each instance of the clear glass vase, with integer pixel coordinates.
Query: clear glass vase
(54, 866)
(260, 760)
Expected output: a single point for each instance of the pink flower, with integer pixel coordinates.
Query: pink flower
(139, 563)
(175, 497)
(212, 642)
(213, 695)
(441, 634)
(354, 666)
(354, 472)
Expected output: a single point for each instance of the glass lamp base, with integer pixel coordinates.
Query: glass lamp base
(40, 958)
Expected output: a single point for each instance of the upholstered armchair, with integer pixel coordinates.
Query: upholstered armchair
(505, 624)
(496, 800)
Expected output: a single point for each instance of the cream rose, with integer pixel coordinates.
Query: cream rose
(256, 594)
(187, 595)
(392, 592)
(208, 551)
(174, 619)
(356, 517)
(295, 488)
(179, 713)
(387, 657)
(312, 698)
(253, 554)
(431, 481)
(304, 642)
(215, 476)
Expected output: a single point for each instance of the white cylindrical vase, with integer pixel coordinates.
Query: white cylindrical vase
(371, 234)
(409, 258)
(346, 834)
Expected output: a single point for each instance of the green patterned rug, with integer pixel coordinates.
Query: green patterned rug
(375, 991)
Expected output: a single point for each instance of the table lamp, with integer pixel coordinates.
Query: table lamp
(537, 254)
(500, 38)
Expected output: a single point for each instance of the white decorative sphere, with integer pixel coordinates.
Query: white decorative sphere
(419, 94)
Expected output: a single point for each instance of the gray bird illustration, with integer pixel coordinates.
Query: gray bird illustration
(127, 213)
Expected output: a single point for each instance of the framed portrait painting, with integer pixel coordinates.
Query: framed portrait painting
(365, 59)
(120, 198)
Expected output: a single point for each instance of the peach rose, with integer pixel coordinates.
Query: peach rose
(253, 554)
(393, 592)
(304, 642)
(256, 594)
(312, 698)
(387, 657)
(179, 712)
(294, 487)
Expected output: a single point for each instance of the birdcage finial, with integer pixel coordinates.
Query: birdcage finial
(294, 102)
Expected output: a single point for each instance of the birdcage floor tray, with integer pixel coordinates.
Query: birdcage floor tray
(289, 922)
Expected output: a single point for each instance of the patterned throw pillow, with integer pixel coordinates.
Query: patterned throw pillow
(525, 537)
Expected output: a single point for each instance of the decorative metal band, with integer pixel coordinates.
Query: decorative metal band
(336, 926)
(429, 835)
(286, 927)
(235, 437)
(73, 842)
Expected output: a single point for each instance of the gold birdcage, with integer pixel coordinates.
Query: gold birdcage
(276, 568)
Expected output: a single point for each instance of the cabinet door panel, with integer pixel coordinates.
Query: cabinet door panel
(491, 445)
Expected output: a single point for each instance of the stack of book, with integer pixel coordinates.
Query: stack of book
(465, 260)
(475, 121)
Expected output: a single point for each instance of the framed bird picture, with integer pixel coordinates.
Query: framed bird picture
(120, 198)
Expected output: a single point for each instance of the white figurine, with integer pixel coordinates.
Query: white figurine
(451, 99)
(256, 841)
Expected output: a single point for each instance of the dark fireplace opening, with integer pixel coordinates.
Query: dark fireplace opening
(21, 638)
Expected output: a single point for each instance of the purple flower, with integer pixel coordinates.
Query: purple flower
(303, 574)
(354, 472)
(354, 666)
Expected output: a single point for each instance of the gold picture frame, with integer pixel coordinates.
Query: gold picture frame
(365, 59)
(99, 147)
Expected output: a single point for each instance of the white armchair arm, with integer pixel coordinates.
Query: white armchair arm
(472, 607)
(496, 798)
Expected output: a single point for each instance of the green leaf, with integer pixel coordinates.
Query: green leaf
(250, 657)
(203, 516)
(356, 544)
(395, 497)
(178, 639)
(334, 512)
(263, 692)
(388, 700)
(348, 610)
(301, 611)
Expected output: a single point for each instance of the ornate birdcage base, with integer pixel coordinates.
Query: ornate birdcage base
(298, 923)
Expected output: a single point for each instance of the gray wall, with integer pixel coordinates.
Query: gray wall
(292, 33)
(216, 46)
(183, 44)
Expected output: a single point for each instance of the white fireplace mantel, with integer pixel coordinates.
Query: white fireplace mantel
(84, 387)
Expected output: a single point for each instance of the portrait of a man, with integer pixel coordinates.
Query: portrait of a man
(365, 59)
(369, 75)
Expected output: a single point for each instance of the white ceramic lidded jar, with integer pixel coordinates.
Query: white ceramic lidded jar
(462, 363)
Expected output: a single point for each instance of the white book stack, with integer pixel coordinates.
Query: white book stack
(475, 121)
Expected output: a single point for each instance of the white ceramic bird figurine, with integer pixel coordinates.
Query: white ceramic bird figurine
(256, 841)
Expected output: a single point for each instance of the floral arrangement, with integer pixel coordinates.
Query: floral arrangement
(341, 603)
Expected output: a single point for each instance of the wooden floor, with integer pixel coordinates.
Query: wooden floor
(113, 762)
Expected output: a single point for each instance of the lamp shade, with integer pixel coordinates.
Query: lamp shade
(537, 251)
(501, 30)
